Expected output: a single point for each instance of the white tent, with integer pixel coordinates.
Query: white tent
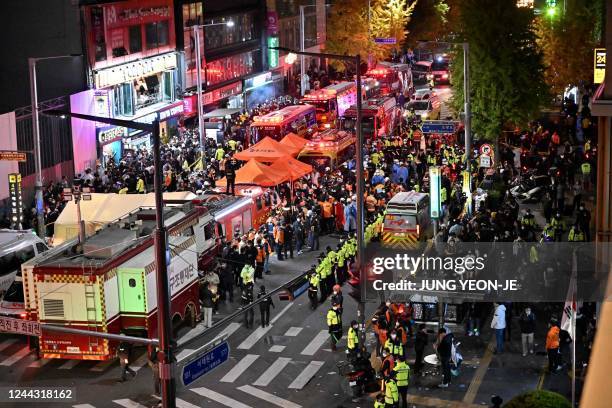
(102, 209)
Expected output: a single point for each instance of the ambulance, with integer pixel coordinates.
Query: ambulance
(331, 102)
(406, 220)
(330, 149)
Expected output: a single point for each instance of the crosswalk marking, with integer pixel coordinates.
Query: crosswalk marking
(254, 337)
(16, 356)
(229, 330)
(266, 396)
(39, 363)
(83, 406)
(293, 331)
(316, 343)
(139, 363)
(282, 312)
(69, 364)
(306, 375)
(277, 348)
(6, 343)
(183, 353)
(128, 403)
(273, 370)
(184, 404)
(239, 368)
(220, 398)
(102, 365)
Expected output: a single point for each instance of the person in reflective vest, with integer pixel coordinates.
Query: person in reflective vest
(559, 225)
(334, 325)
(140, 185)
(247, 274)
(575, 234)
(391, 392)
(528, 219)
(341, 263)
(548, 234)
(380, 400)
(313, 283)
(394, 345)
(586, 168)
(387, 364)
(402, 377)
(352, 340)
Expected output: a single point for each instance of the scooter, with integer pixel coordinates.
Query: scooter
(359, 373)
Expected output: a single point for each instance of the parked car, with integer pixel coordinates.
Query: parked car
(428, 109)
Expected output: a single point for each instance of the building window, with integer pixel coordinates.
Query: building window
(156, 34)
(229, 68)
(123, 100)
(192, 14)
(219, 35)
(135, 39)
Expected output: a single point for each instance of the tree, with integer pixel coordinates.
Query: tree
(389, 19)
(506, 66)
(539, 399)
(433, 20)
(567, 41)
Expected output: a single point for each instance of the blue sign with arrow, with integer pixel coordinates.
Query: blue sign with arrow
(205, 363)
(439, 126)
(385, 40)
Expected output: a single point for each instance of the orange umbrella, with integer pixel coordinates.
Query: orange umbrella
(267, 151)
(293, 140)
(290, 167)
(257, 173)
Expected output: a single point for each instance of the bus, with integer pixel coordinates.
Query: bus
(298, 119)
(329, 148)
(406, 220)
(393, 77)
(331, 102)
(380, 116)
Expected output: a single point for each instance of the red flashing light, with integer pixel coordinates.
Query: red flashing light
(445, 76)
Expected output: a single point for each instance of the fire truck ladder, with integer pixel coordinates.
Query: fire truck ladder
(90, 305)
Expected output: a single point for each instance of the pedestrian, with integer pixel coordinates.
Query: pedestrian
(552, 345)
(388, 363)
(313, 283)
(279, 240)
(124, 352)
(208, 303)
(246, 299)
(288, 237)
(298, 232)
(496, 401)
(153, 362)
(394, 345)
(420, 342)
(260, 259)
(391, 391)
(337, 298)
(527, 322)
(444, 349)
(334, 324)
(499, 324)
(379, 402)
(264, 306)
(402, 378)
(230, 175)
(352, 340)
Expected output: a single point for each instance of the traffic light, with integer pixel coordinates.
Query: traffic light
(551, 7)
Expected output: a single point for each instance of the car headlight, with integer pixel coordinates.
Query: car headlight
(424, 114)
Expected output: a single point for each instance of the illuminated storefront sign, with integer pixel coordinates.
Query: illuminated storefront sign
(272, 54)
(130, 71)
(599, 66)
(222, 93)
(16, 200)
(112, 134)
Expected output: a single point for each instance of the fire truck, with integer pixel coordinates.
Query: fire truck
(393, 77)
(298, 119)
(331, 102)
(108, 284)
(329, 148)
(380, 116)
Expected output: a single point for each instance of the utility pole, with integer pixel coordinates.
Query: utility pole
(468, 119)
(359, 258)
(40, 214)
(166, 365)
(196, 36)
(302, 45)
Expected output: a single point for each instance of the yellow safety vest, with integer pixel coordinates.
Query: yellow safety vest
(575, 236)
(333, 318)
(140, 186)
(391, 393)
(586, 168)
(314, 280)
(379, 404)
(402, 375)
(395, 349)
(352, 339)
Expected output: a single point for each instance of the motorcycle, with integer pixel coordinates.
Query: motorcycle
(359, 373)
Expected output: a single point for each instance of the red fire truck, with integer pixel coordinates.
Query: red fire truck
(380, 116)
(331, 102)
(393, 77)
(109, 285)
(329, 148)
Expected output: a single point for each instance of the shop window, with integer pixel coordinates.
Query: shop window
(135, 39)
(219, 35)
(229, 68)
(123, 100)
(156, 34)
(167, 87)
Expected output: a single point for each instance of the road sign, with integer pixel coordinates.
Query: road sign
(599, 66)
(30, 328)
(205, 363)
(486, 149)
(434, 192)
(385, 40)
(439, 126)
(485, 161)
(12, 155)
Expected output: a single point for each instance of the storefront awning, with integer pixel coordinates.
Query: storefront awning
(221, 113)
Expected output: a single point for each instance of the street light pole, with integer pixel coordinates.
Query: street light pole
(302, 45)
(467, 120)
(196, 36)
(40, 215)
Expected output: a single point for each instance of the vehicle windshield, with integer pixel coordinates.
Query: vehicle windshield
(418, 105)
(259, 132)
(420, 68)
(320, 106)
(11, 262)
(14, 293)
(439, 66)
(400, 221)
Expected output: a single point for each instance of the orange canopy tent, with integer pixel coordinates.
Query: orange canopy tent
(267, 151)
(254, 172)
(294, 141)
(293, 169)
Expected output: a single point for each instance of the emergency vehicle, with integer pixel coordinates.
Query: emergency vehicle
(108, 284)
(406, 220)
(393, 77)
(298, 119)
(331, 102)
(380, 116)
(330, 149)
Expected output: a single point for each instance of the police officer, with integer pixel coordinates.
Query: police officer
(246, 298)
(123, 352)
(559, 225)
(334, 324)
(391, 391)
(394, 345)
(230, 175)
(402, 377)
(576, 234)
(313, 283)
(352, 340)
(264, 306)
(379, 402)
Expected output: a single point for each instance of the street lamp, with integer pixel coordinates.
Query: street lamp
(303, 47)
(40, 214)
(359, 258)
(196, 36)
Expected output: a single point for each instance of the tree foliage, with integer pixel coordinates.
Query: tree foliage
(506, 66)
(567, 41)
(433, 20)
(539, 399)
(389, 18)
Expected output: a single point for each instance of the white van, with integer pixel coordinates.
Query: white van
(16, 247)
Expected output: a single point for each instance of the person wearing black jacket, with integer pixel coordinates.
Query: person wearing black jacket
(208, 303)
(230, 175)
(445, 347)
(420, 341)
(288, 244)
(246, 298)
(527, 321)
(264, 306)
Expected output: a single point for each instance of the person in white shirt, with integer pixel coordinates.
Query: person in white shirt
(499, 324)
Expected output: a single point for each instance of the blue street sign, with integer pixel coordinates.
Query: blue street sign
(205, 363)
(385, 40)
(439, 126)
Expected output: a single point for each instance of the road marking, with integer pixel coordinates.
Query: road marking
(316, 343)
(15, 357)
(220, 398)
(83, 406)
(240, 368)
(183, 353)
(273, 370)
(229, 330)
(282, 312)
(140, 362)
(293, 331)
(306, 375)
(254, 337)
(6, 343)
(40, 362)
(69, 364)
(276, 349)
(542, 376)
(472, 390)
(266, 396)
(128, 403)
(184, 404)
(102, 365)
